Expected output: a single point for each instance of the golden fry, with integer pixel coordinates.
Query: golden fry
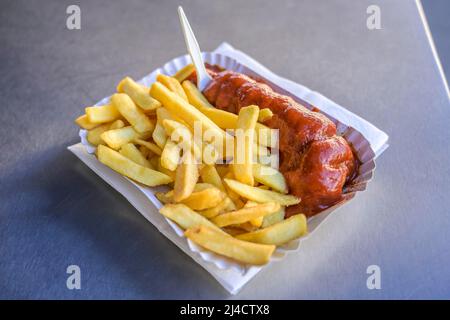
(185, 72)
(118, 137)
(204, 199)
(245, 214)
(163, 114)
(227, 120)
(130, 151)
(144, 151)
(117, 124)
(273, 218)
(233, 195)
(170, 156)
(188, 113)
(246, 227)
(102, 114)
(130, 169)
(228, 246)
(172, 84)
(181, 134)
(270, 177)
(186, 178)
(279, 233)
(185, 217)
(225, 206)
(210, 175)
(204, 196)
(260, 195)
(139, 94)
(263, 136)
(195, 97)
(222, 170)
(164, 197)
(265, 114)
(83, 122)
(243, 153)
(256, 222)
(159, 135)
(210, 154)
(223, 119)
(160, 168)
(149, 145)
(140, 122)
(94, 135)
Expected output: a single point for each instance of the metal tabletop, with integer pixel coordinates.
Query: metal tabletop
(55, 212)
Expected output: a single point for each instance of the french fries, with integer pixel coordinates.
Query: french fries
(204, 196)
(83, 122)
(245, 214)
(234, 208)
(139, 94)
(130, 151)
(246, 252)
(149, 145)
(165, 198)
(159, 135)
(209, 155)
(224, 206)
(130, 169)
(185, 72)
(94, 135)
(222, 170)
(117, 124)
(195, 97)
(170, 156)
(118, 137)
(145, 152)
(181, 134)
(140, 122)
(186, 218)
(160, 168)
(204, 199)
(186, 178)
(243, 154)
(224, 119)
(279, 233)
(173, 85)
(210, 175)
(269, 177)
(265, 114)
(102, 114)
(181, 108)
(164, 114)
(227, 120)
(233, 195)
(260, 195)
(263, 136)
(256, 222)
(273, 218)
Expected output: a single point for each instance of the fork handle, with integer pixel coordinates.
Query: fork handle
(203, 78)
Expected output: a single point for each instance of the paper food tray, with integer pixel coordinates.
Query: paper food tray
(367, 140)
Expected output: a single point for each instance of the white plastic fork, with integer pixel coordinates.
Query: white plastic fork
(203, 78)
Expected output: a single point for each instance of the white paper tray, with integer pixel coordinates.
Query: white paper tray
(368, 141)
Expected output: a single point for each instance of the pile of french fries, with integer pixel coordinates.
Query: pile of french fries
(233, 208)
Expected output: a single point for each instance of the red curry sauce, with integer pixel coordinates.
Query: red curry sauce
(316, 162)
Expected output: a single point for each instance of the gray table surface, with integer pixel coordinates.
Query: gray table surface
(437, 12)
(55, 212)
